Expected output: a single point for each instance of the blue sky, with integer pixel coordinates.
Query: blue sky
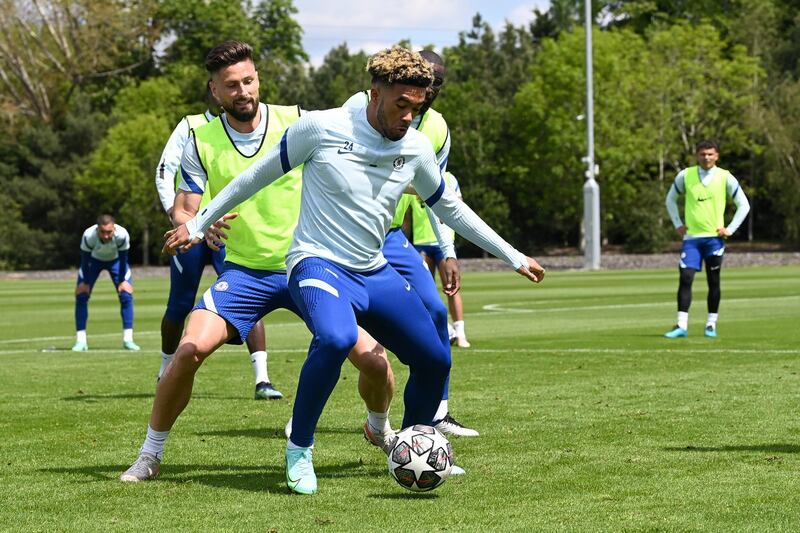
(375, 24)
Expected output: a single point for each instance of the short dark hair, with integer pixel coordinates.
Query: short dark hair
(436, 60)
(706, 144)
(105, 219)
(400, 65)
(227, 54)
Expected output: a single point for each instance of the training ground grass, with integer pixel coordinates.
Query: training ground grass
(589, 418)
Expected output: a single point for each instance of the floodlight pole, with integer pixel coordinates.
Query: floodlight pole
(591, 191)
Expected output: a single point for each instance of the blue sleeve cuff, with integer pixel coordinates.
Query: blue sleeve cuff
(435, 196)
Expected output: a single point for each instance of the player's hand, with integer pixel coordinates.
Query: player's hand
(178, 238)
(451, 276)
(125, 287)
(533, 271)
(217, 230)
(723, 232)
(681, 230)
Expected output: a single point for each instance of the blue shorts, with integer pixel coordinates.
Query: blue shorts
(96, 266)
(185, 271)
(243, 296)
(434, 251)
(334, 301)
(695, 250)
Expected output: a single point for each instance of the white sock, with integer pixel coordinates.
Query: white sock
(683, 320)
(292, 446)
(127, 335)
(259, 360)
(166, 359)
(451, 332)
(378, 421)
(154, 442)
(80, 336)
(458, 326)
(712, 320)
(441, 412)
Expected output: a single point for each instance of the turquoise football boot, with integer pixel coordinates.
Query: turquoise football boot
(676, 332)
(80, 347)
(300, 476)
(710, 331)
(130, 345)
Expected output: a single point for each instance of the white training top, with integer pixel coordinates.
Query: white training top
(171, 160)
(360, 100)
(732, 187)
(105, 251)
(352, 180)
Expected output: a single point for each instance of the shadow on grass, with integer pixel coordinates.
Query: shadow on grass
(769, 448)
(269, 478)
(273, 433)
(91, 398)
(405, 495)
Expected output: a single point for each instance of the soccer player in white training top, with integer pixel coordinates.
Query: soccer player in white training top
(357, 163)
(104, 246)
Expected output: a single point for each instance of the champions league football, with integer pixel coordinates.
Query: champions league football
(421, 458)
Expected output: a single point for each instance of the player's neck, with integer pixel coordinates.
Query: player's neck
(246, 126)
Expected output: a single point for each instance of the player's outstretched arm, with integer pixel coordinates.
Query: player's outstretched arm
(533, 270)
(429, 183)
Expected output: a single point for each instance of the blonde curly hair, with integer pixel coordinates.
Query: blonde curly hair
(400, 65)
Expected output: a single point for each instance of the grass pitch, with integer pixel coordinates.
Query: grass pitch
(590, 420)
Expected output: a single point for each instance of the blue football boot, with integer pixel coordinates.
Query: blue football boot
(676, 332)
(710, 331)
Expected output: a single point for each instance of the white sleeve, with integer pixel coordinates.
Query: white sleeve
(442, 233)
(169, 163)
(672, 199)
(295, 148)
(193, 175)
(741, 201)
(88, 240)
(122, 239)
(430, 185)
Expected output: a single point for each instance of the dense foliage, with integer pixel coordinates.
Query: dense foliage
(89, 92)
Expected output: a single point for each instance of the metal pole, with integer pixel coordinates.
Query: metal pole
(591, 191)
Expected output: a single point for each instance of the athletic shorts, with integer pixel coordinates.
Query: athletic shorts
(696, 250)
(434, 251)
(243, 296)
(96, 267)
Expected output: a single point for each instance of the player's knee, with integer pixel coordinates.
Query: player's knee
(125, 298)
(83, 288)
(686, 276)
(190, 356)
(177, 312)
(375, 367)
(338, 340)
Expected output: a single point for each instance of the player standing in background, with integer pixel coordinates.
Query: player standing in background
(404, 258)
(186, 268)
(427, 243)
(706, 188)
(356, 166)
(104, 246)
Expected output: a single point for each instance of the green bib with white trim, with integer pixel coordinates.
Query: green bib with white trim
(260, 236)
(705, 205)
